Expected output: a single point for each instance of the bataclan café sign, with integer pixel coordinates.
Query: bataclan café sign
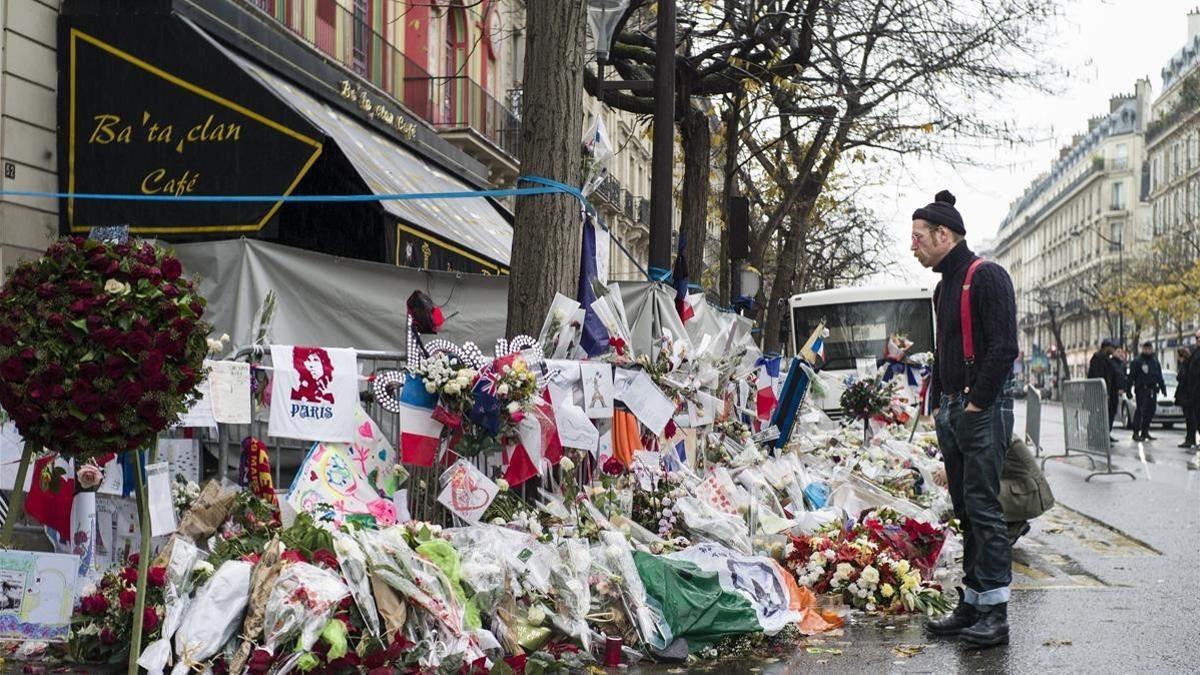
(160, 111)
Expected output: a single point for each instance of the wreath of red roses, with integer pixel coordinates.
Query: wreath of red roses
(100, 346)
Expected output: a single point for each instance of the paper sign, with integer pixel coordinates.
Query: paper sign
(199, 412)
(468, 493)
(106, 515)
(11, 447)
(562, 380)
(114, 478)
(575, 430)
(400, 501)
(604, 447)
(229, 388)
(597, 389)
(37, 592)
(644, 399)
(183, 454)
(330, 486)
(158, 488)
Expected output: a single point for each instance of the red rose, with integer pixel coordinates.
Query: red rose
(171, 268)
(115, 366)
(326, 558)
(147, 255)
(169, 290)
(139, 271)
(109, 337)
(292, 555)
(57, 250)
(13, 370)
(149, 620)
(152, 363)
(614, 467)
(90, 371)
(127, 597)
(56, 320)
(122, 249)
(56, 392)
(129, 575)
(130, 392)
(157, 382)
(154, 274)
(28, 354)
(93, 428)
(148, 410)
(46, 290)
(157, 576)
(197, 309)
(93, 322)
(93, 604)
(7, 335)
(169, 310)
(108, 636)
(137, 341)
(260, 661)
(81, 287)
(81, 306)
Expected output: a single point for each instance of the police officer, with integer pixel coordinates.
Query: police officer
(1146, 375)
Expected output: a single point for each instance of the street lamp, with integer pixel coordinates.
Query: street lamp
(604, 16)
(1119, 244)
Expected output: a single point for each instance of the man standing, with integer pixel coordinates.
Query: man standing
(1102, 367)
(974, 414)
(1182, 396)
(1147, 379)
(1190, 382)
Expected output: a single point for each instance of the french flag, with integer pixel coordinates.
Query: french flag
(419, 431)
(768, 384)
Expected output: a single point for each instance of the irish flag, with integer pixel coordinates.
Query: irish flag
(419, 432)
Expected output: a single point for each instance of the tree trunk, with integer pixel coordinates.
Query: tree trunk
(696, 137)
(547, 230)
(733, 117)
(786, 269)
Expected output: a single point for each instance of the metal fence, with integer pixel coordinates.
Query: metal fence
(1085, 424)
(1033, 420)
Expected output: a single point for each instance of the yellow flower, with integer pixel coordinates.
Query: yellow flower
(901, 567)
(887, 591)
(911, 581)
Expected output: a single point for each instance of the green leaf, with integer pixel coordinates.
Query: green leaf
(80, 324)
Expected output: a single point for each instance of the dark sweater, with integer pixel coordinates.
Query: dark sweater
(994, 322)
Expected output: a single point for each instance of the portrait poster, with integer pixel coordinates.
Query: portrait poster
(314, 393)
(37, 593)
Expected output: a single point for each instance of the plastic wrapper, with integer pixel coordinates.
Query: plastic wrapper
(302, 602)
(262, 581)
(176, 599)
(705, 522)
(855, 494)
(213, 617)
(353, 562)
(570, 581)
(207, 513)
(618, 557)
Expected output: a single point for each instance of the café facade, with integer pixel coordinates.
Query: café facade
(172, 99)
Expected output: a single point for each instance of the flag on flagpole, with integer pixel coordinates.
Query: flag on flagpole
(419, 431)
(813, 350)
(680, 275)
(594, 339)
(768, 387)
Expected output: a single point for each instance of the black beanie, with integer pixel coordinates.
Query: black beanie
(942, 212)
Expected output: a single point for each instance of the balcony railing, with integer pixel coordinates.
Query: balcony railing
(448, 103)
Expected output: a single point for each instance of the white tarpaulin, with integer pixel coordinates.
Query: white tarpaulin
(335, 302)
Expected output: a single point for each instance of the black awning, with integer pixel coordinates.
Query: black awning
(148, 106)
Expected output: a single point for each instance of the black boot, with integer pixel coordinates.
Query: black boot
(963, 616)
(991, 629)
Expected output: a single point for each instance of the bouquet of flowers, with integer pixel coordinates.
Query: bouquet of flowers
(103, 625)
(183, 493)
(100, 346)
(303, 600)
(865, 397)
(868, 573)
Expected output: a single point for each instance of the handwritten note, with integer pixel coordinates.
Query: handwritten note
(229, 387)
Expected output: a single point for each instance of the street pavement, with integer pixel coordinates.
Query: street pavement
(1106, 582)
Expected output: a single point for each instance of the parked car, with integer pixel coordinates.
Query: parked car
(1166, 412)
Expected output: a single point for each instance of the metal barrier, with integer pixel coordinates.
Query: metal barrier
(1033, 420)
(1085, 424)
(423, 484)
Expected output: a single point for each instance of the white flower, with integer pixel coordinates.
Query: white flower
(844, 570)
(498, 520)
(513, 408)
(870, 607)
(224, 337)
(502, 484)
(830, 554)
(566, 464)
(431, 387)
(204, 567)
(870, 575)
(536, 615)
(502, 390)
(116, 287)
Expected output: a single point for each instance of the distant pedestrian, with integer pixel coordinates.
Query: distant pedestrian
(1146, 375)
(1102, 367)
(1181, 396)
(972, 385)
(1188, 394)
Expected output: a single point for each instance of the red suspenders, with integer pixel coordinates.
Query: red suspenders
(964, 313)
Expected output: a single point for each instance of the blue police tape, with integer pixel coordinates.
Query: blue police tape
(547, 187)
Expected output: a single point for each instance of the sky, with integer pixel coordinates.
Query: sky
(1104, 46)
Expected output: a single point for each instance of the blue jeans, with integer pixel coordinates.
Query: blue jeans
(973, 447)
